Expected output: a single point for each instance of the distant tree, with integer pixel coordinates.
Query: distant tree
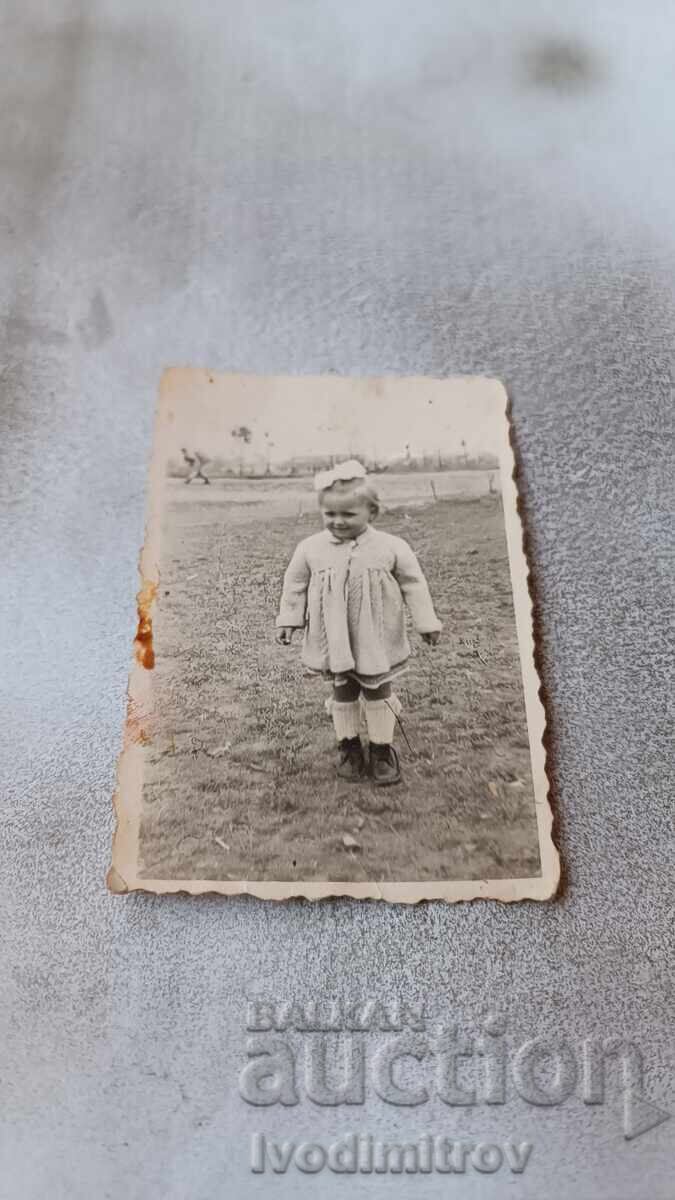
(243, 435)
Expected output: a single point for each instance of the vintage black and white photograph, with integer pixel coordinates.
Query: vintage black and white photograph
(334, 688)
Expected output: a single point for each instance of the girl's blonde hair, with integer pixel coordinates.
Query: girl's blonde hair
(361, 487)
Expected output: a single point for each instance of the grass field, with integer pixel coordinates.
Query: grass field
(240, 780)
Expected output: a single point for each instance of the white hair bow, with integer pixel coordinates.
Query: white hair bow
(352, 469)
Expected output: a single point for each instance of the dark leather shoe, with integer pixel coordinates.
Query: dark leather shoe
(384, 764)
(351, 764)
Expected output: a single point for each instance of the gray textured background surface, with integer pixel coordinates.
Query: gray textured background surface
(361, 188)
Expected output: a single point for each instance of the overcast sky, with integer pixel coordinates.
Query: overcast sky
(330, 415)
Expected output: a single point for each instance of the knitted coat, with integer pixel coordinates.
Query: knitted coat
(349, 596)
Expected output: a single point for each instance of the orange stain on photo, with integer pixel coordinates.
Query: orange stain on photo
(143, 646)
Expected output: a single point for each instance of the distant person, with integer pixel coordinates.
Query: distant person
(195, 463)
(347, 587)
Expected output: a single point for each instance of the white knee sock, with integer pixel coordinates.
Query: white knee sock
(381, 719)
(346, 718)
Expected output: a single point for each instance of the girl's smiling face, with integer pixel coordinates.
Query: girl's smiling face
(345, 514)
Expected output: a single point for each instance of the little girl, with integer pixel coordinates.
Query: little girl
(346, 586)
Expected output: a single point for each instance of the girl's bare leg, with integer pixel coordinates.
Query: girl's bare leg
(346, 692)
(383, 692)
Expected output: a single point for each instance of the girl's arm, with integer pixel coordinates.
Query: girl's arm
(294, 594)
(410, 578)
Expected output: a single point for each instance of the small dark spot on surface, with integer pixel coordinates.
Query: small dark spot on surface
(97, 326)
(561, 65)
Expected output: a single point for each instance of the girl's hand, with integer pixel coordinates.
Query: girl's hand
(431, 639)
(284, 635)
